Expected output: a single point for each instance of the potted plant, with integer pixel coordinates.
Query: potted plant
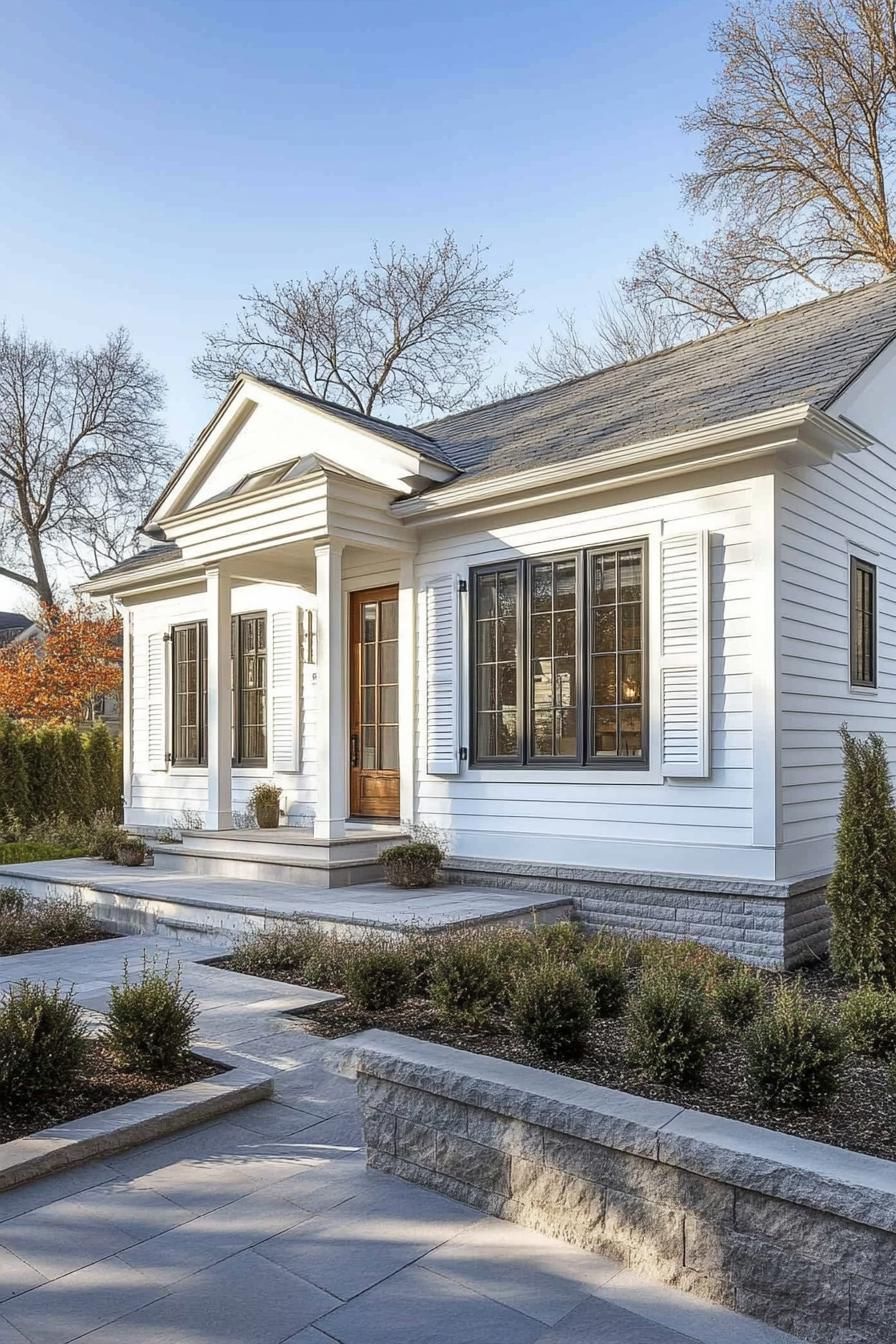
(264, 803)
(132, 851)
(416, 862)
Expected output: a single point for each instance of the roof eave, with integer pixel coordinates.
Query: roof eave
(800, 428)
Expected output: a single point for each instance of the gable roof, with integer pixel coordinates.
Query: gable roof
(404, 435)
(802, 355)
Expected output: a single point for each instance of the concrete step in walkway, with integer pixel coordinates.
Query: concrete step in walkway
(283, 854)
(193, 907)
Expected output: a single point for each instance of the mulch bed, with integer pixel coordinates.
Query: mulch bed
(861, 1118)
(103, 1086)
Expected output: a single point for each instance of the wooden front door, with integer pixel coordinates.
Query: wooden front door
(374, 703)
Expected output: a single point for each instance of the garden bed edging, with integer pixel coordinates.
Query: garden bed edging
(134, 1122)
(797, 1233)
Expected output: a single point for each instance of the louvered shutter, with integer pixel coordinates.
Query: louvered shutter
(442, 676)
(285, 688)
(156, 700)
(684, 655)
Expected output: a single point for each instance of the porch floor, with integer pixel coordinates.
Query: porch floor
(227, 905)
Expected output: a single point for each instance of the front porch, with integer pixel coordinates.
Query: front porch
(194, 907)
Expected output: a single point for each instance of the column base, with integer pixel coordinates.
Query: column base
(329, 828)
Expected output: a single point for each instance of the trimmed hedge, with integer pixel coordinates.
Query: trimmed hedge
(50, 772)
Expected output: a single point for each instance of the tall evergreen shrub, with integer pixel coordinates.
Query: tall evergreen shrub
(38, 781)
(14, 791)
(862, 889)
(51, 778)
(103, 763)
(75, 775)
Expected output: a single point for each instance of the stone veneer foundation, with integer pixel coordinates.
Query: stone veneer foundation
(799, 1234)
(774, 924)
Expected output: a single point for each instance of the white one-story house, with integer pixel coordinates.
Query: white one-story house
(602, 635)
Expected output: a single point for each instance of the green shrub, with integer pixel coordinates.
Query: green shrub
(378, 974)
(738, 997)
(14, 790)
(106, 835)
(687, 956)
(75, 774)
(54, 797)
(869, 1019)
(151, 1021)
(862, 889)
(563, 940)
(603, 965)
(32, 851)
(795, 1051)
(670, 1026)
(411, 865)
(104, 768)
(264, 805)
(43, 1042)
(287, 948)
(466, 985)
(131, 851)
(551, 1010)
(60, 921)
(12, 901)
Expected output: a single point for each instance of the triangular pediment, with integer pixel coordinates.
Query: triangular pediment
(262, 435)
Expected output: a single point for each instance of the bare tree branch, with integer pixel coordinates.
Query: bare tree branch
(408, 335)
(82, 453)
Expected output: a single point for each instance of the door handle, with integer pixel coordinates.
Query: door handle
(354, 751)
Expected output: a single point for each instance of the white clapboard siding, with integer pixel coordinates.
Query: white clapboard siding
(285, 682)
(156, 699)
(442, 676)
(684, 655)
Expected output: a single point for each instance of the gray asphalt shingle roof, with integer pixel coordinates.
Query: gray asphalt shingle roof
(151, 556)
(804, 354)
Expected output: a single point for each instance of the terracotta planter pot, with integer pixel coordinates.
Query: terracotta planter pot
(132, 856)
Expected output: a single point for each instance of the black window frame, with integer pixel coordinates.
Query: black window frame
(859, 656)
(240, 624)
(523, 757)
(236, 664)
(201, 756)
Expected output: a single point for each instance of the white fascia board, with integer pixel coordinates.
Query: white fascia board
(799, 432)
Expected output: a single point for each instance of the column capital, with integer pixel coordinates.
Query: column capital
(334, 547)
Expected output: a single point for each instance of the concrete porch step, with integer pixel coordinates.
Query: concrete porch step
(252, 866)
(293, 844)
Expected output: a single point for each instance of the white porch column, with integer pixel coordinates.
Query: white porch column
(407, 684)
(219, 816)
(332, 707)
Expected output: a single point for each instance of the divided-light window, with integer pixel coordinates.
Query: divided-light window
(558, 652)
(862, 623)
(189, 708)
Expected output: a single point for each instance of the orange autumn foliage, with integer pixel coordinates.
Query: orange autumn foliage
(54, 679)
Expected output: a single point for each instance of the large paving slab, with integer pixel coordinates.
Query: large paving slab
(267, 1227)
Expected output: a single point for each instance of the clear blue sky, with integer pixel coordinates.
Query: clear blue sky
(157, 159)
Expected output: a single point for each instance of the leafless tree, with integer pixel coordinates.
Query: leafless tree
(407, 335)
(798, 149)
(623, 328)
(82, 452)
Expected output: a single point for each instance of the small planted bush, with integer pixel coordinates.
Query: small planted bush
(563, 940)
(603, 965)
(378, 974)
(287, 948)
(106, 836)
(738, 997)
(670, 1027)
(795, 1051)
(151, 1021)
(12, 901)
(131, 851)
(686, 956)
(466, 985)
(414, 864)
(869, 1020)
(551, 1010)
(264, 805)
(43, 1042)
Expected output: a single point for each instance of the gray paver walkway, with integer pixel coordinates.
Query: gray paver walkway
(267, 1228)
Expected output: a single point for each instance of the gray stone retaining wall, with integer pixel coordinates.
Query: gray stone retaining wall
(775, 924)
(798, 1234)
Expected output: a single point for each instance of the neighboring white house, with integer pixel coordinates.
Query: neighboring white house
(602, 634)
